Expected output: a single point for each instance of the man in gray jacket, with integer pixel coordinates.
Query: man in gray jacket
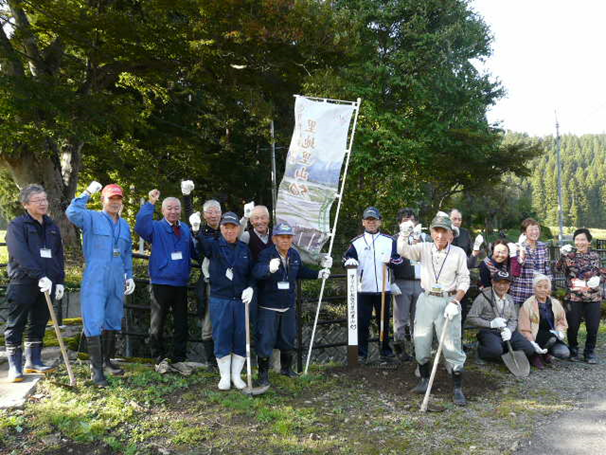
(494, 312)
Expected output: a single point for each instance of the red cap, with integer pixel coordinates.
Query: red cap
(112, 190)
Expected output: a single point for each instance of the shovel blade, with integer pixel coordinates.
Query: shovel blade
(254, 391)
(517, 363)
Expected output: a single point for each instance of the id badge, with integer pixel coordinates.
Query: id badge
(46, 253)
(176, 255)
(116, 252)
(437, 287)
(229, 273)
(283, 285)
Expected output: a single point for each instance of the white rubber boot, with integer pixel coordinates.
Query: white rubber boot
(237, 362)
(225, 369)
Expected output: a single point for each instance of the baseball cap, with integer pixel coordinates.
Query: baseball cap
(112, 189)
(283, 229)
(230, 218)
(371, 212)
(441, 220)
(501, 275)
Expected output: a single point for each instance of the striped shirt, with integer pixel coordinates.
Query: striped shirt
(537, 261)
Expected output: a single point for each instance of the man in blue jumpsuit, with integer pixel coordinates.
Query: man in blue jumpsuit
(108, 275)
(277, 271)
(231, 287)
(169, 269)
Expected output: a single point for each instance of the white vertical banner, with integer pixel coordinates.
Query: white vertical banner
(352, 306)
(313, 170)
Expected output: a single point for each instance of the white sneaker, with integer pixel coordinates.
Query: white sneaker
(224, 368)
(237, 362)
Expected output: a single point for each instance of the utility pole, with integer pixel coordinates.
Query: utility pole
(560, 208)
(274, 183)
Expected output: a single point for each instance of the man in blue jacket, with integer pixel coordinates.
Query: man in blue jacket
(108, 275)
(169, 269)
(35, 266)
(277, 271)
(231, 287)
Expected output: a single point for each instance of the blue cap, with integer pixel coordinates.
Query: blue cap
(371, 212)
(230, 218)
(283, 229)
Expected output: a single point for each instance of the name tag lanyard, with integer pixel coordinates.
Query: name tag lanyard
(115, 236)
(45, 252)
(176, 239)
(437, 275)
(230, 263)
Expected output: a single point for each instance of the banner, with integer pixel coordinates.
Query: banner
(313, 169)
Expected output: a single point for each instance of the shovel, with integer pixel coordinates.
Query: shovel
(516, 362)
(425, 406)
(249, 389)
(51, 310)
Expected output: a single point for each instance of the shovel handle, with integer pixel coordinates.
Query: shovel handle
(436, 361)
(383, 291)
(68, 366)
(248, 366)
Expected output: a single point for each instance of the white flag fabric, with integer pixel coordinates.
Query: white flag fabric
(313, 168)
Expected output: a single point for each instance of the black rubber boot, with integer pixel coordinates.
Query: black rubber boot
(109, 351)
(96, 361)
(400, 349)
(421, 387)
(209, 350)
(457, 380)
(33, 358)
(263, 377)
(286, 364)
(15, 363)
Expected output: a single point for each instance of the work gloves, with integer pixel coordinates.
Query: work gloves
(45, 284)
(498, 323)
(274, 265)
(537, 348)
(478, 242)
(395, 289)
(416, 232)
(247, 295)
(351, 262)
(593, 282)
(326, 262)
(506, 334)
(59, 291)
(323, 274)
(248, 208)
(195, 220)
(94, 187)
(130, 286)
(153, 196)
(451, 310)
(513, 249)
(558, 334)
(566, 249)
(187, 186)
(407, 228)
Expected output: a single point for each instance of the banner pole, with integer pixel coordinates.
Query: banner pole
(334, 228)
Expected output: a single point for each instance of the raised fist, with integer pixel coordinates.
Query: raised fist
(153, 195)
(187, 186)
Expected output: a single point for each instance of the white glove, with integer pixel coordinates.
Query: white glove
(195, 221)
(206, 269)
(478, 242)
(130, 286)
(324, 274)
(594, 282)
(451, 310)
(45, 284)
(326, 262)
(94, 187)
(247, 295)
(417, 230)
(521, 239)
(274, 265)
(351, 262)
(248, 208)
(187, 186)
(395, 289)
(386, 258)
(406, 228)
(537, 348)
(498, 323)
(506, 334)
(566, 249)
(59, 291)
(513, 249)
(558, 334)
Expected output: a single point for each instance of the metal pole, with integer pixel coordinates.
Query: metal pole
(141, 241)
(560, 205)
(356, 106)
(274, 175)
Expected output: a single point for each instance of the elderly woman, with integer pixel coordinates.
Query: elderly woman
(532, 258)
(498, 261)
(542, 321)
(582, 270)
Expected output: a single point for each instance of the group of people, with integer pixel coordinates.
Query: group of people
(240, 266)
(245, 263)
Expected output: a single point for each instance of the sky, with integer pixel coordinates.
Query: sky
(549, 55)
